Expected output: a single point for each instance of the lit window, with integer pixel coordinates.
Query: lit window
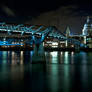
(55, 43)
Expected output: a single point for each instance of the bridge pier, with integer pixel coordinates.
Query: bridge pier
(77, 48)
(39, 54)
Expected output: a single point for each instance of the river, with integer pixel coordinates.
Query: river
(63, 72)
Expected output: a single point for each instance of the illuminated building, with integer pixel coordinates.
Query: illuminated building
(87, 29)
(84, 38)
(87, 32)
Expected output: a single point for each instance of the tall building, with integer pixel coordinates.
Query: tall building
(67, 32)
(87, 32)
(87, 29)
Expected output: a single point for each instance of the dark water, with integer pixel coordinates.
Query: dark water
(63, 72)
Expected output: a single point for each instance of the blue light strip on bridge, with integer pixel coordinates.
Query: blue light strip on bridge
(10, 44)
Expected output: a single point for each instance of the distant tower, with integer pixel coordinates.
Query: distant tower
(87, 29)
(88, 19)
(67, 35)
(67, 31)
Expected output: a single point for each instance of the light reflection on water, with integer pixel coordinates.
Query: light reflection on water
(55, 57)
(15, 57)
(63, 71)
(68, 57)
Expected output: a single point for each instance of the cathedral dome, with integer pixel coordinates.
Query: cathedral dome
(87, 27)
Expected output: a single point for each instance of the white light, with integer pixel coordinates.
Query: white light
(62, 41)
(21, 57)
(84, 39)
(55, 43)
(49, 42)
(61, 46)
(53, 54)
(54, 46)
(61, 53)
(43, 43)
(66, 58)
(21, 39)
(13, 57)
(4, 39)
(54, 57)
(72, 45)
(66, 43)
(72, 53)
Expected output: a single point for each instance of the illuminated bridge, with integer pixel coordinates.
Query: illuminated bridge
(29, 34)
(34, 34)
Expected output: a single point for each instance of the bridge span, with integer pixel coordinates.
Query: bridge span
(31, 34)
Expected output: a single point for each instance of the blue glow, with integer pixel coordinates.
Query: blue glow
(9, 44)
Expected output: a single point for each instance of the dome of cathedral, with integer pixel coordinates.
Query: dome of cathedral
(87, 27)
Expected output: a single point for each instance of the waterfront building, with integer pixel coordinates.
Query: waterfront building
(87, 32)
(84, 38)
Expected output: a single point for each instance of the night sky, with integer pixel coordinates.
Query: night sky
(59, 13)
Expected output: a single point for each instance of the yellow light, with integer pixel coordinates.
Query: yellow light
(72, 45)
(21, 57)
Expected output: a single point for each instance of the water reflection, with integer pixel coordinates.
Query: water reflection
(21, 57)
(55, 57)
(66, 79)
(53, 78)
(64, 71)
(15, 57)
(4, 57)
(72, 57)
(68, 57)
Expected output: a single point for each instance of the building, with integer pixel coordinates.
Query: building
(87, 32)
(85, 38)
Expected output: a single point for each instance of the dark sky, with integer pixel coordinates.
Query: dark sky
(34, 7)
(61, 13)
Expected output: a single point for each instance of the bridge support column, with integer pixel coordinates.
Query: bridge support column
(77, 48)
(39, 54)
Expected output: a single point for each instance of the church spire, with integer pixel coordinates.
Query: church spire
(67, 31)
(88, 19)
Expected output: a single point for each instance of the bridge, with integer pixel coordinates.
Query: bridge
(21, 34)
